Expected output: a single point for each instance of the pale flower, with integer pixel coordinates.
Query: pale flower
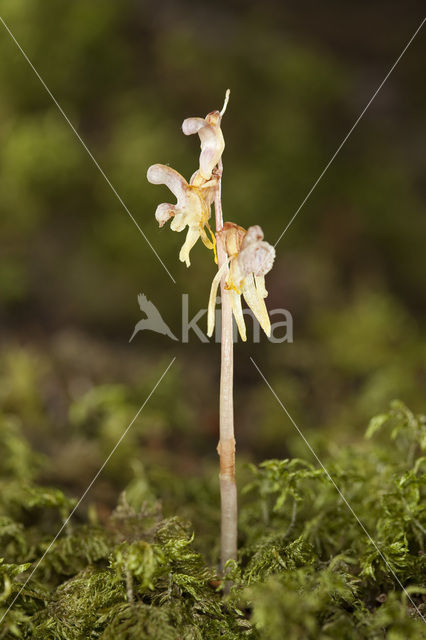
(249, 259)
(192, 208)
(212, 142)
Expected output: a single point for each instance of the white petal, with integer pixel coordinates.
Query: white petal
(191, 238)
(179, 222)
(212, 299)
(254, 234)
(162, 174)
(212, 146)
(192, 125)
(260, 286)
(257, 304)
(212, 142)
(164, 212)
(256, 258)
(237, 310)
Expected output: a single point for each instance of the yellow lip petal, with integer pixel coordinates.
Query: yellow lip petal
(204, 237)
(213, 237)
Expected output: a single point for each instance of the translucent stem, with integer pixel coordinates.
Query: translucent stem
(226, 446)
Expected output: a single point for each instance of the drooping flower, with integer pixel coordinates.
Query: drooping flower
(192, 208)
(212, 142)
(194, 199)
(250, 258)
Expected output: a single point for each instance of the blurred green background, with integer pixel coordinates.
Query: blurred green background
(351, 269)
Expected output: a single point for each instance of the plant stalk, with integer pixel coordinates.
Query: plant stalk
(226, 446)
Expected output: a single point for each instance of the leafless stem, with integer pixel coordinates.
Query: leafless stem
(226, 446)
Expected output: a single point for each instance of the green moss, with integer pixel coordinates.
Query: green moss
(307, 568)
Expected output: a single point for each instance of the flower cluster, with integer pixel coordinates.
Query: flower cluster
(194, 199)
(249, 257)
(192, 209)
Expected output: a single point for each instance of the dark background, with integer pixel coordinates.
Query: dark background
(351, 269)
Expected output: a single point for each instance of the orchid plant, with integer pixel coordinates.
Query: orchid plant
(243, 260)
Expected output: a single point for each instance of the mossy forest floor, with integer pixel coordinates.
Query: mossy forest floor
(146, 567)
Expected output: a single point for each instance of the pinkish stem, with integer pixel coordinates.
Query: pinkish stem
(226, 446)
